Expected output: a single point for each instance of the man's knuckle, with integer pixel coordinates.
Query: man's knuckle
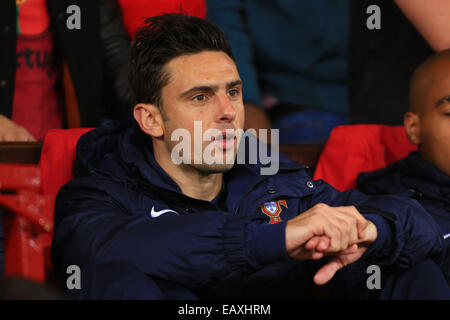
(336, 233)
(320, 206)
(346, 228)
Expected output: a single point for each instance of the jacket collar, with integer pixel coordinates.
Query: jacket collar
(412, 177)
(425, 178)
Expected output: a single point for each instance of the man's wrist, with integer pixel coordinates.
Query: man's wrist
(384, 233)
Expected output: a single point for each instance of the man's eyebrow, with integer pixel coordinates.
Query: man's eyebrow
(208, 88)
(443, 100)
(234, 84)
(197, 89)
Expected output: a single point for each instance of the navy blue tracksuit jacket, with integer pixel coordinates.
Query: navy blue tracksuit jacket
(104, 224)
(416, 178)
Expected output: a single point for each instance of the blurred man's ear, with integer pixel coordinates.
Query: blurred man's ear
(149, 118)
(411, 122)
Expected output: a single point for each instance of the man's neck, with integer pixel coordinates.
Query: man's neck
(199, 186)
(192, 182)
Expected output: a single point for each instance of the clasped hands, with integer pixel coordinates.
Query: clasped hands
(339, 232)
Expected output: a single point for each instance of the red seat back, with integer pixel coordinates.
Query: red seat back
(57, 156)
(352, 149)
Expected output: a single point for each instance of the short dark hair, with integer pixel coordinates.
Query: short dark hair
(163, 38)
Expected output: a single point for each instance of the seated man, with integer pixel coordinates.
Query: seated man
(150, 217)
(424, 175)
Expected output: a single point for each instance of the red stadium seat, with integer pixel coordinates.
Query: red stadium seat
(58, 154)
(352, 149)
(27, 196)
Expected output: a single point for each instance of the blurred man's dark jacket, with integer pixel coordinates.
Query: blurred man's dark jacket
(415, 178)
(381, 63)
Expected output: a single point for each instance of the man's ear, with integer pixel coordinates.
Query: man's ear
(149, 118)
(411, 123)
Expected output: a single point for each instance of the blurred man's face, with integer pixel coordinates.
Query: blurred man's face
(206, 88)
(435, 121)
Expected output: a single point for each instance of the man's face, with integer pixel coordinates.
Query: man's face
(435, 121)
(206, 88)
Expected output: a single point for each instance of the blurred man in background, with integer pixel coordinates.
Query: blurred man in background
(424, 175)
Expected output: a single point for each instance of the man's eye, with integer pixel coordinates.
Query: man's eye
(199, 98)
(233, 92)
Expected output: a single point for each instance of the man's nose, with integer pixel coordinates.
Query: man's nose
(227, 112)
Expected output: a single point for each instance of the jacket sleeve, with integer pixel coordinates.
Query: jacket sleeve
(115, 280)
(191, 250)
(407, 234)
(116, 52)
(230, 17)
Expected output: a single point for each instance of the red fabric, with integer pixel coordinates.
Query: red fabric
(58, 154)
(353, 149)
(32, 16)
(134, 12)
(37, 105)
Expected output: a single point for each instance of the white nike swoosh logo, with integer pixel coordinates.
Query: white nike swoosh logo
(446, 236)
(156, 214)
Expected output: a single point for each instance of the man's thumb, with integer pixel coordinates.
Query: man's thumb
(327, 272)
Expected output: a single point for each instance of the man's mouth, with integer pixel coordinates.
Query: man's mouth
(225, 141)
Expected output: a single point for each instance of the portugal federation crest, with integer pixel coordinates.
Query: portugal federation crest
(273, 209)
